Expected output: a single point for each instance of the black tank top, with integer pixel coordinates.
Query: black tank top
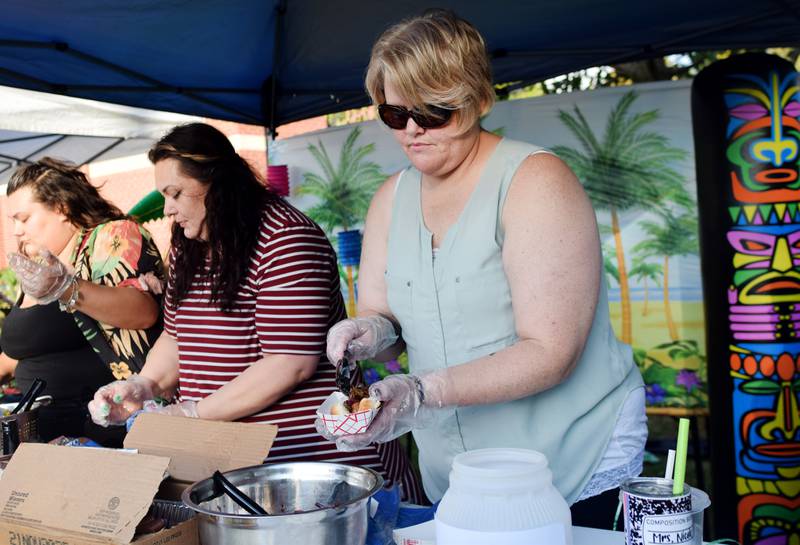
(49, 345)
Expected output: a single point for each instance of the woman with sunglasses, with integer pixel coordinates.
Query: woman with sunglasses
(482, 260)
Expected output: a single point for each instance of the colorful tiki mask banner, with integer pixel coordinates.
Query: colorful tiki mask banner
(746, 116)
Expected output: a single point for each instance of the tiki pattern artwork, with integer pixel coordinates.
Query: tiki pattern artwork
(761, 153)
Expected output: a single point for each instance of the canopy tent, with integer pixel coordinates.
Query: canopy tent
(35, 125)
(17, 147)
(29, 111)
(270, 62)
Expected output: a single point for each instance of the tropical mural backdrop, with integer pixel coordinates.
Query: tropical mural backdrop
(632, 149)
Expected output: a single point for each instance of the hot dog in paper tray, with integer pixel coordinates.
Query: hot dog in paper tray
(343, 415)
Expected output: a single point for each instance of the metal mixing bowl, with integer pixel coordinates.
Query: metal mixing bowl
(309, 503)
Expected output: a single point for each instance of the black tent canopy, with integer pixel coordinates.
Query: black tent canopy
(270, 62)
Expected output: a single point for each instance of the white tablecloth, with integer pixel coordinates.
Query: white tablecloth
(590, 536)
(580, 536)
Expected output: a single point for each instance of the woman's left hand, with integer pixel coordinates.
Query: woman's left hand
(187, 409)
(406, 403)
(45, 278)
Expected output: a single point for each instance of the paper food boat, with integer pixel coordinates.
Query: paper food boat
(344, 424)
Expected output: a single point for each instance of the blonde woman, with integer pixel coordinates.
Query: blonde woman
(482, 260)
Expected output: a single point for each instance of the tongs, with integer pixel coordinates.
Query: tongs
(30, 396)
(223, 485)
(343, 373)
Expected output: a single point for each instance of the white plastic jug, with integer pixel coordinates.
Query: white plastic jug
(502, 496)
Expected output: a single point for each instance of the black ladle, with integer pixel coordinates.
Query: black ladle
(343, 377)
(221, 484)
(30, 396)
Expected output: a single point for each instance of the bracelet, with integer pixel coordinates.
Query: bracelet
(69, 306)
(420, 389)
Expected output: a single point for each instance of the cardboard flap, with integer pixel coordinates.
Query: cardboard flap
(197, 447)
(93, 492)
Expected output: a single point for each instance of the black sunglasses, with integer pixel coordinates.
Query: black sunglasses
(396, 117)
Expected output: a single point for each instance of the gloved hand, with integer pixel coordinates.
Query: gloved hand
(407, 402)
(186, 409)
(115, 402)
(45, 278)
(362, 337)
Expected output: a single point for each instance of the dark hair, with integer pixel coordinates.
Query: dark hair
(234, 204)
(61, 187)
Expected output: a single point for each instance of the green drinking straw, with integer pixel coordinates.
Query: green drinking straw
(680, 456)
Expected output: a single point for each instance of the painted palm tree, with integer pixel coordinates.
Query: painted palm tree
(674, 235)
(344, 192)
(628, 168)
(609, 266)
(643, 271)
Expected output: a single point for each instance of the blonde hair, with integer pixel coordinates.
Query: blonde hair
(434, 59)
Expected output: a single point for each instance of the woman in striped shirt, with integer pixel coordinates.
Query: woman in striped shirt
(253, 288)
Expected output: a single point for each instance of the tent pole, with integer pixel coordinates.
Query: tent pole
(108, 148)
(26, 159)
(280, 12)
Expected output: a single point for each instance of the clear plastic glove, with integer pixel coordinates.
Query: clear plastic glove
(45, 277)
(115, 402)
(407, 402)
(186, 409)
(362, 337)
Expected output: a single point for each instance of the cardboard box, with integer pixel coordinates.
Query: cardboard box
(196, 448)
(55, 495)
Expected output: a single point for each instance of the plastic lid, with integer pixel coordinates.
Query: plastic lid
(500, 469)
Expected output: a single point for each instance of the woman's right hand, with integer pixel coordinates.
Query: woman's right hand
(114, 403)
(44, 277)
(362, 337)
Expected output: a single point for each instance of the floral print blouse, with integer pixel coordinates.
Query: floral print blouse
(115, 254)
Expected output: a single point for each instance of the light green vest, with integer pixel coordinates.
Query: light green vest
(458, 309)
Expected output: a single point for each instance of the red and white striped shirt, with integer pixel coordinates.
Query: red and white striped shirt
(286, 304)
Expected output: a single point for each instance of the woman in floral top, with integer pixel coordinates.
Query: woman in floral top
(83, 317)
